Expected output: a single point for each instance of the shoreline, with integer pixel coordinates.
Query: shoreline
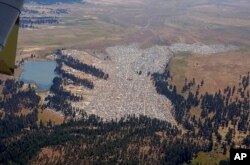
(32, 82)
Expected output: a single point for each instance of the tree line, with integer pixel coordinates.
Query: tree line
(76, 64)
(59, 100)
(31, 22)
(231, 105)
(74, 80)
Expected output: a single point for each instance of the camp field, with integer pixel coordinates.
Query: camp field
(96, 25)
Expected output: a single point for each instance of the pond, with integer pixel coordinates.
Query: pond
(39, 72)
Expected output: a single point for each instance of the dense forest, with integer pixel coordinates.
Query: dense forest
(13, 99)
(89, 141)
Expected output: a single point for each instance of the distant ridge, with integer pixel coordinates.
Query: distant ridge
(53, 1)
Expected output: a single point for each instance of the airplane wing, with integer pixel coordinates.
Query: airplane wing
(8, 53)
(9, 25)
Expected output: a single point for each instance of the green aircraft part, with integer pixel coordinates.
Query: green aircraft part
(8, 53)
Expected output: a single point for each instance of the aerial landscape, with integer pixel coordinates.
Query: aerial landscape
(128, 82)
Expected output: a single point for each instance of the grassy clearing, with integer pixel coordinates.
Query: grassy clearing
(214, 157)
(178, 66)
(218, 70)
(208, 158)
(47, 115)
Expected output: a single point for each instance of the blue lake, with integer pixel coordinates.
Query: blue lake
(39, 72)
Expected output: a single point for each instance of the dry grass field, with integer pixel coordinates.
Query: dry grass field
(105, 23)
(217, 70)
